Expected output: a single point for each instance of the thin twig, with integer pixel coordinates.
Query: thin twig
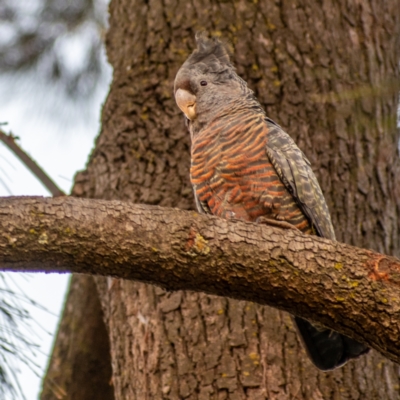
(49, 184)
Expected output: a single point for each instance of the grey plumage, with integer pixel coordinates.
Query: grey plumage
(245, 166)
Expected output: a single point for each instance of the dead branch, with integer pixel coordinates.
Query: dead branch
(47, 182)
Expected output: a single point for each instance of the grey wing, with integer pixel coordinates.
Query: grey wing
(326, 348)
(295, 171)
(202, 207)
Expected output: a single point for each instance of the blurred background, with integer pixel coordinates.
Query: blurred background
(54, 78)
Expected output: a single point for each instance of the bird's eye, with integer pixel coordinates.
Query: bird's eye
(203, 83)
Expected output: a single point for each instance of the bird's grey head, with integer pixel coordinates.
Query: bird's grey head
(207, 80)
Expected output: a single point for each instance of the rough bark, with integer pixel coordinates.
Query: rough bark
(351, 290)
(80, 367)
(327, 72)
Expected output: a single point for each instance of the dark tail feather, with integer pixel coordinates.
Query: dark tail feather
(326, 348)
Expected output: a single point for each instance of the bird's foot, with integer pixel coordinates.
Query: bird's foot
(274, 222)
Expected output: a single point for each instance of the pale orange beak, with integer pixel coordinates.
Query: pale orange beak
(186, 102)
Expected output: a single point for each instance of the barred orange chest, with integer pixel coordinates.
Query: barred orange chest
(233, 176)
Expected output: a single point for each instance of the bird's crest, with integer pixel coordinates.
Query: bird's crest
(211, 54)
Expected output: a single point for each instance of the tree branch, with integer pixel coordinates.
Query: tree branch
(47, 182)
(351, 290)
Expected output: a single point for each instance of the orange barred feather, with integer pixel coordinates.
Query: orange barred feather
(233, 175)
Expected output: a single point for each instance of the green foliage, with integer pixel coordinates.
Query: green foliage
(17, 335)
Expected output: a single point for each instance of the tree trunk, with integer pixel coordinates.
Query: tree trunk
(80, 367)
(327, 72)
